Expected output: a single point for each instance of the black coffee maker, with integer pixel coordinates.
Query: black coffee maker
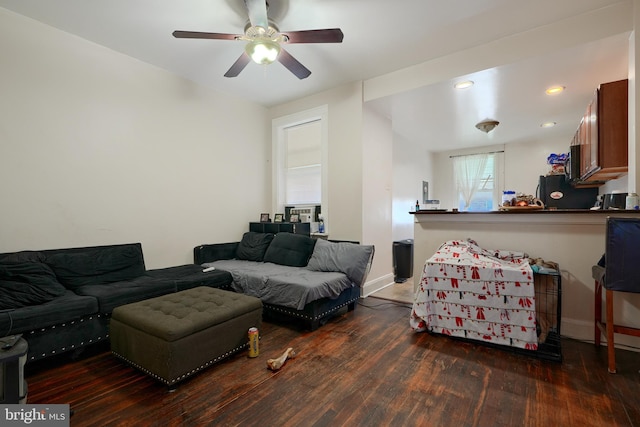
(614, 200)
(556, 192)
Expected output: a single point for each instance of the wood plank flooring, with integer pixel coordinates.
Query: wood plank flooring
(363, 368)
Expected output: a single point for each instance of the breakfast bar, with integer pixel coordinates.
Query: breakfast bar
(575, 239)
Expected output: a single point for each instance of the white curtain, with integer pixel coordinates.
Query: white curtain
(468, 171)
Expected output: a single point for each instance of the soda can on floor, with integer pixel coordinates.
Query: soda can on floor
(254, 343)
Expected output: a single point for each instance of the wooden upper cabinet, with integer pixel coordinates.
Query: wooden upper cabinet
(605, 143)
(586, 146)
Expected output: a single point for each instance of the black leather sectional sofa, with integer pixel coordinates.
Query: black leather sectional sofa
(61, 300)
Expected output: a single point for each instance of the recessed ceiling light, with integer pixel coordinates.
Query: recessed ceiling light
(463, 85)
(554, 90)
(548, 124)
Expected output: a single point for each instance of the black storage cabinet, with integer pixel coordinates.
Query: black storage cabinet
(280, 227)
(402, 260)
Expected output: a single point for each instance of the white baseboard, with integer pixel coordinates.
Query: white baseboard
(584, 331)
(577, 329)
(372, 286)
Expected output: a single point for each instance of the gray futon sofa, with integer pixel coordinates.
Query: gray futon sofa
(294, 275)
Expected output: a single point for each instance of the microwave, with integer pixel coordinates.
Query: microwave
(572, 165)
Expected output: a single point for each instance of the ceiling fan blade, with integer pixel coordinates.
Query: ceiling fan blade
(332, 35)
(199, 35)
(257, 13)
(293, 65)
(238, 66)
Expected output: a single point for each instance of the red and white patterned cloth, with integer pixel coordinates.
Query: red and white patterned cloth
(466, 291)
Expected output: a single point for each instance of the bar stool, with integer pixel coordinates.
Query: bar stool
(621, 273)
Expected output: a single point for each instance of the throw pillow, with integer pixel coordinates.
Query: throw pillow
(97, 266)
(253, 246)
(349, 258)
(29, 283)
(290, 249)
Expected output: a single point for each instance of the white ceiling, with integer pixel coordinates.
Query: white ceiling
(380, 37)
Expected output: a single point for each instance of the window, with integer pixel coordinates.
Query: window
(300, 153)
(303, 176)
(476, 180)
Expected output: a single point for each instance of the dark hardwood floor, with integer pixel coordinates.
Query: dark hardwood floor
(362, 368)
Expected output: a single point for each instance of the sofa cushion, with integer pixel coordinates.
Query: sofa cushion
(27, 283)
(349, 258)
(59, 310)
(282, 285)
(191, 276)
(152, 284)
(23, 256)
(111, 295)
(253, 246)
(97, 265)
(290, 249)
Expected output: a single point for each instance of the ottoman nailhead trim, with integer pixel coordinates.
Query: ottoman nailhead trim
(181, 377)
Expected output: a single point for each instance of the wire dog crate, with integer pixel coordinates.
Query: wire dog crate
(548, 293)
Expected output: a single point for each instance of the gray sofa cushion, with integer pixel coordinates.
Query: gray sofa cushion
(290, 249)
(27, 283)
(282, 285)
(97, 265)
(348, 258)
(253, 246)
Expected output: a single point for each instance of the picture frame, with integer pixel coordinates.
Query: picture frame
(264, 217)
(294, 218)
(278, 217)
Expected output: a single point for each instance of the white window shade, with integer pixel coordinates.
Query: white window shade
(303, 161)
(303, 185)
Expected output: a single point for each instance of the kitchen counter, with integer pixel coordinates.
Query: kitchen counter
(530, 211)
(544, 216)
(575, 239)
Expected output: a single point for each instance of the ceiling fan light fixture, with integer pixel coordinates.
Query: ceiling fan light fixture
(263, 40)
(263, 51)
(487, 126)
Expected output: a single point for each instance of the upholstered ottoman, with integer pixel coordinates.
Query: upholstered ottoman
(174, 336)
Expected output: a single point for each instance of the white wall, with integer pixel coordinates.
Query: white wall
(634, 99)
(412, 164)
(377, 170)
(620, 185)
(98, 148)
(525, 162)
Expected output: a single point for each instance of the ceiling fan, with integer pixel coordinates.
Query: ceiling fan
(264, 41)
